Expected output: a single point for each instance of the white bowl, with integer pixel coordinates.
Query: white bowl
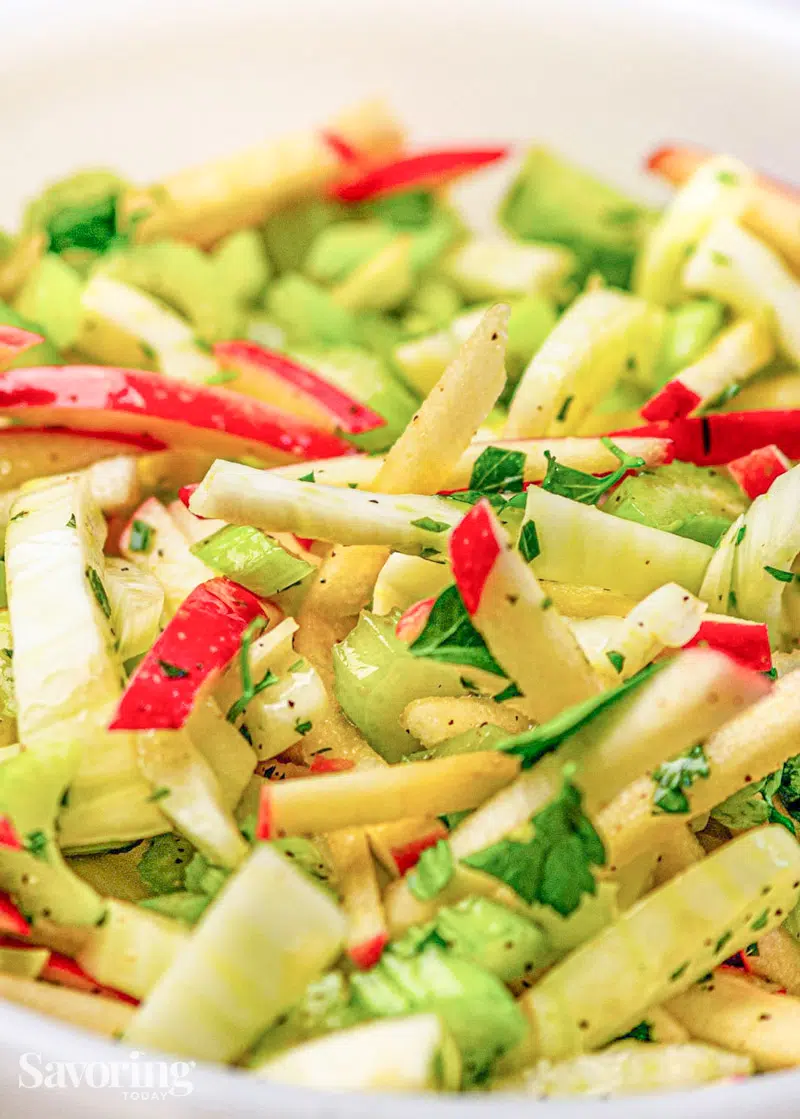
(149, 85)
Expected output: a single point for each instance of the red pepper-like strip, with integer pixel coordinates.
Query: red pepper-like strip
(424, 171)
(201, 639)
(67, 973)
(11, 920)
(296, 388)
(715, 440)
(756, 472)
(412, 622)
(15, 341)
(743, 641)
(671, 402)
(96, 397)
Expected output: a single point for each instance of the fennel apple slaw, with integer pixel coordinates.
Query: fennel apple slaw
(400, 623)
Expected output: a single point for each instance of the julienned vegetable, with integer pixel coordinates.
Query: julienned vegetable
(384, 703)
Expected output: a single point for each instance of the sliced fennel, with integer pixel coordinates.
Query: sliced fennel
(581, 544)
(132, 948)
(499, 268)
(268, 911)
(223, 747)
(137, 602)
(721, 187)
(164, 552)
(665, 943)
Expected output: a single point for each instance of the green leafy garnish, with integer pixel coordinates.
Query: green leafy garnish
(496, 470)
(92, 225)
(303, 726)
(173, 671)
(617, 659)
(563, 411)
(740, 535)
(249, 689)
(98, 590)
(307, 477)
(141, 538)
(535, 743)
(680, 773)
(553, 864)
(586, 488)
(529, 542)
(36, 842)
(642, 1032)
(433, 871)
(779, 574)
(430, 525)
(159, 793)
(72, 523)
(450, 636)
(18, 516)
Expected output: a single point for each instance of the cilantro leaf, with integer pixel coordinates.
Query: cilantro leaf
(566, 481)
(472, 497)
(497, 469)
(433, 871)
(430, 525)
(535, 743)
(680, 773)
(303, 726)
(642, 1032)
(249, 689)
(617, 659)
(779, 574)
(553, 866)
(528, 543)
(98, 590)
(307, 477)
(450, 636)
(36, 842)
(173, 671)
(141, 537)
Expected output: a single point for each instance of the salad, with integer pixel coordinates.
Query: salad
(400, 622)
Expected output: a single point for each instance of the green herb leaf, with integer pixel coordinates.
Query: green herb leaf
(308, 477)
(680, 773)
(740, 535)
(450, 636)
(172, 670)
(722, 259)
(91, 225)
(141, 538)
(779, 574)
(553, 866)
(222, 377)
(72, 523)
(535, 743)
(472, 497)
(433, 871)
(249, 689)
(563, 411)
(642, 1032)
(617, 659)
(429, 525)
(511, 691)
(18, 516)
(586, 488)
(497, 469)
(36, 842)
(159, 794)
(470, 686)
(528, 543)
(303, 726)
(98, 590)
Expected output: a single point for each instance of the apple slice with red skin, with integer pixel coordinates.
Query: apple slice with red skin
(671, 402)
(323, 764)
(203, 637)
(407, 856)
(15, 341)
(412, 621)
(756, 472)
(94, 397)
(717, 439)
(678, 162)
(423, 171)
(356, 879)
(65, 972)
(275, 378)
(744, 641)
(36, 452)
(8, 835)
(11, 920)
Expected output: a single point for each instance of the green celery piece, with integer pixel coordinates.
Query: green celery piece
(553, 200)
(32, 787)
(376, 677)
(366, 377)
(339, 249)
(242, 266)
(477, 1008)
(250, 557)
(78, 212)
(308, 314)
(689, 330)
(697, 502)
(163, 866)
(325, 1006)
(290, 233)
(182, 906)
(51, 295)
(493, 937)
(45, 353)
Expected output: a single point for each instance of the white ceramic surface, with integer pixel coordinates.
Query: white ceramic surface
(148, 85)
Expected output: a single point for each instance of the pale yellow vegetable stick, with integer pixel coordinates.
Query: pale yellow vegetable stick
(203, 204)
(435, 720)
(22, 259)
(681, 705)
(78, 1009)
(749, 747)
(372, 796)
(739, 1014)
(778, 959)
(679, 850)
(367, 934)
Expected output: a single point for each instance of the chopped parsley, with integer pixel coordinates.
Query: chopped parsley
(642, 1032)
(672, 777)
(566, 481)
(497, 469)
(148, 351)
(433, 871)
(553, 864)
(468, 684)
(141, 539)
(450, 636)
(722, 259)
(528, 543)
(159, 793)
(760, 921)
(72, 523)
(36, 843)
(563, 411)
(98, 590)
(309, 477)
(303, 726)
(740, 535)
(727, 178)
(546, 602)
(429, 553)
(617, 659)
(779, 574)
(430, 525)
(249, 689)
(18, 516)
(172, 670)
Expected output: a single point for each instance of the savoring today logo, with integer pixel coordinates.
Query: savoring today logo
(135, 1079)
